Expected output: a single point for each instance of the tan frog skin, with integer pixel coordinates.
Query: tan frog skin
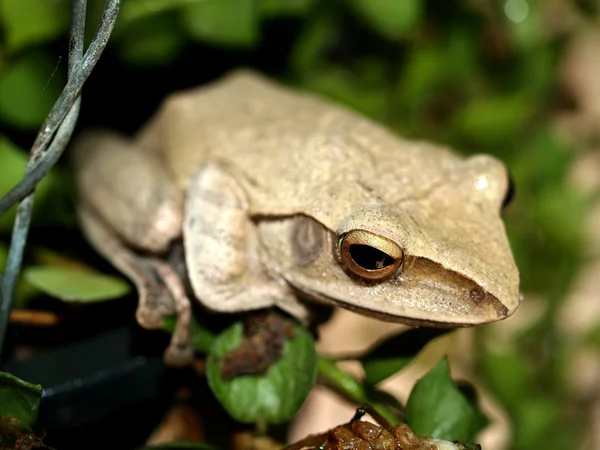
(281, 197)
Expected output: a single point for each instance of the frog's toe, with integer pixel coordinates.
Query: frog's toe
(151, 319)
(179, 354)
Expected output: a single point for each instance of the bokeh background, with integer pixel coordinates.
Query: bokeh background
(519, 79)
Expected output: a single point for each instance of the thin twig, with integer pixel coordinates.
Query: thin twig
(59, 124)
(40, 160)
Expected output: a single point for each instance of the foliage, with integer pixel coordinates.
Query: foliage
(19, 399)
(479, 76)
(274, 397)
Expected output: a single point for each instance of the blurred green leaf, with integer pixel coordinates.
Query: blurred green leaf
(20, 399)
(492, 120)
(349, 89)
(75, 285)
(395, 353)
(274, 397)
(133, 10)
(23, 290)
(27, 22)
(421, 74)
(271, 8)
(317, 36)
(593, 336)
(152, 41)
(203, 338)
(392, 18)
(13, 162)
(3, 256)
(437, 408)
(541, 414)
(524, 22)
(377, 370)
(29, 86)
(509, 374)
(232, 23)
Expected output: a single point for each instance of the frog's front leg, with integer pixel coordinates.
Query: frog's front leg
(161, 290)
(222, 248)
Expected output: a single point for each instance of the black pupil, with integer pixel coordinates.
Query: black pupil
(369, 257)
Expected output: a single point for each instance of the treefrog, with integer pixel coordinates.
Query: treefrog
(280, 198)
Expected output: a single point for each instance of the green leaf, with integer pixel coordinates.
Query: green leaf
(593, 337)
(508, 373)
(272, 8)
(13, 162)
(203, 338)
(3, 256)
(274, 397)
(29, 87)
(393, 354)
(348, 89)
(494, 120)
(524, 23)
(20, 399)
(152, 41)
(436, 407)
(133, 10)
(27, 22)
(75, 285)
(392, 18)
(421, 75)
(232, 23)
(310, 51)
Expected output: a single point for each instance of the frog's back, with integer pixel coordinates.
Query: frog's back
(296, 152)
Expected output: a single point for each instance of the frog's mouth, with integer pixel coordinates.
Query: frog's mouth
(425, 294)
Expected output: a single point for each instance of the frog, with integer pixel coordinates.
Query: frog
(280, 198)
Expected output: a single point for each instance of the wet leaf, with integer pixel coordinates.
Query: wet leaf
(392, 18)
(436, 407)
(27, 22)
(274, 397)
(29, 86)
(75, 285)
(20, 399)
(222, 22)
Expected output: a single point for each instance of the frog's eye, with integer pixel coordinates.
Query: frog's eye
(509, 196)
(369, 255)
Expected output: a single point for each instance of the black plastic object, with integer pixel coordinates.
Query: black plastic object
(89, 379)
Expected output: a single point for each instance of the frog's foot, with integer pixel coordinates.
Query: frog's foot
(154, 300)
(181, 349)
(161, 292)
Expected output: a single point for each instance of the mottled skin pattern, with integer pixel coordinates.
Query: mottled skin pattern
(360, 435)
(263, 183)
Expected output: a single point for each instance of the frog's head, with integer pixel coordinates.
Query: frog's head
(441, 260)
